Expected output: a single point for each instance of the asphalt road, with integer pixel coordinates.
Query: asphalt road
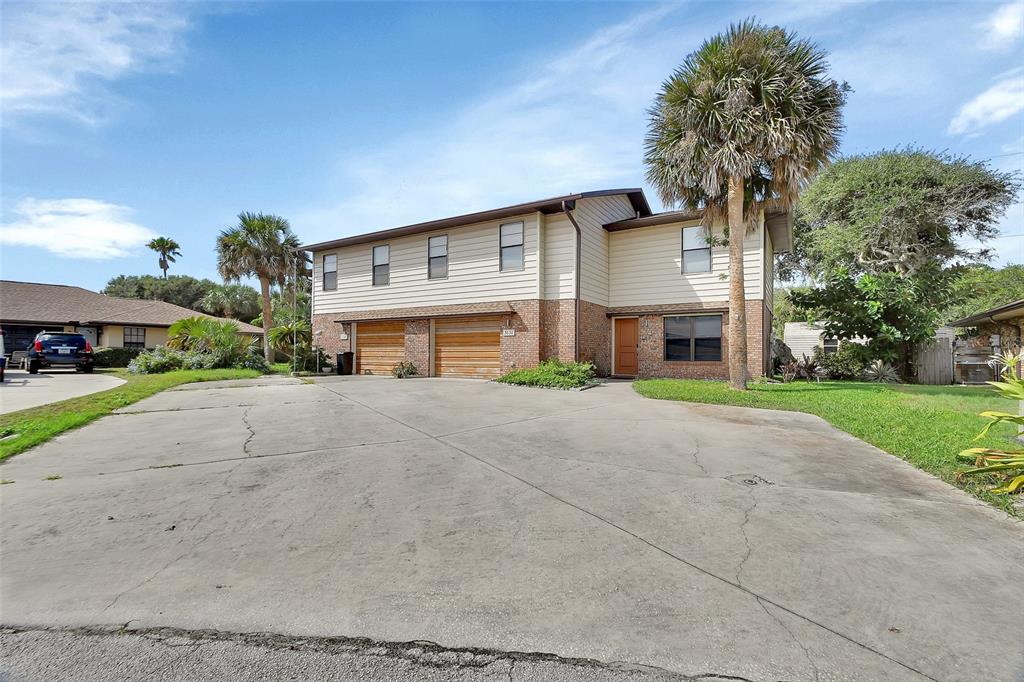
(519, 523)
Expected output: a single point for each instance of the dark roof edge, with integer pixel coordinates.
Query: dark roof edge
(986, 315)
(669, 217)
(551, 205)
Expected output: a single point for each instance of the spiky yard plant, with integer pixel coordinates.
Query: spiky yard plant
(742, 125)
(1007, 464)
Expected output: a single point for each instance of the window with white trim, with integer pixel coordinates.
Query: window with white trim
(381, 265)
(694, 338)
(829, 345)
(511, 244)
(330, 278)
(696, 250)
(437, 257)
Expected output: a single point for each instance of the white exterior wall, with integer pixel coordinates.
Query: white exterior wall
(802, 338)
(646, 268)
(595, 266)
(473, 271)
(769, 270)
(559, 257)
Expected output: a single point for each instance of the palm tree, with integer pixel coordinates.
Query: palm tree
(168, 249)
(743, 124)
(237, 301)
(259, 246)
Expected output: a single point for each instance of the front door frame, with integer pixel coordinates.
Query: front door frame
(615, 371)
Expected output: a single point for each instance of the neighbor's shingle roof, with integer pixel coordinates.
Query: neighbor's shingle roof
(43, 304)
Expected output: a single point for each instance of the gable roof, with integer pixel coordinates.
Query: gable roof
(552, 205)
(33, 303)
(1003, 312)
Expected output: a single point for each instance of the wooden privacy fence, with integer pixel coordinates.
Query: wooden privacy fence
(933, 362)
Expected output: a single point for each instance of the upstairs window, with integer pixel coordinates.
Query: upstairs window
(511, 242)
(330, 272)
(134, 337)
(696, 338)
(437, 257)
(696, 250)
(381, 265)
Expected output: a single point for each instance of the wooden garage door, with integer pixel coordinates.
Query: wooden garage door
(467, 347)
(379, 346)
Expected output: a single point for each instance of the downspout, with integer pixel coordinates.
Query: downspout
(568, 206)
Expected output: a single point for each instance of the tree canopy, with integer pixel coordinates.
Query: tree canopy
(182, 290)
(897, 211)
(982, 287)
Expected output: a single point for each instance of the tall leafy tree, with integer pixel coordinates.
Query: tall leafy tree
(260, 247)
(902, 211)
(182, 290)
(168, 250)
(744, 123)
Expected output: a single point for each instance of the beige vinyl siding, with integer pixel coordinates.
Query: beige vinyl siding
(646, 268)
(802, 338)
(559, 259)
(592, 214)
(473, 271)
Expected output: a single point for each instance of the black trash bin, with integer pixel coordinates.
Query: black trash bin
(344, 362)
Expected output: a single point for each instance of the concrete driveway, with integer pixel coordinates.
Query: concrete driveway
(22, 390)
(597, 526)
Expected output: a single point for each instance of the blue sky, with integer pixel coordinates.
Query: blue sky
(124, 121)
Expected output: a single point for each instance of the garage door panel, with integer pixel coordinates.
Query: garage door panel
(467, 348)
(379, 346)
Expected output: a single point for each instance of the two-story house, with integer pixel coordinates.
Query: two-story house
(595, 276)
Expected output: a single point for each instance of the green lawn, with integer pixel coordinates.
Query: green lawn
(925, 425)
(28, 428)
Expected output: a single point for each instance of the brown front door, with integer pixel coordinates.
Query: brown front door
(627, 339)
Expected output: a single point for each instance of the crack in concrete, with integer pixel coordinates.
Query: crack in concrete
(807, 652)
(421, 652)
(252, 432)
(695, 453)
(746, 538)
(733, 583)
(222, 460)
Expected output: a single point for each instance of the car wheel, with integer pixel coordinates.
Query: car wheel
(87, 369)
(33, 367)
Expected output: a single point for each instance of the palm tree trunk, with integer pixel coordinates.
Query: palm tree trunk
(267, 321)
(737, 292)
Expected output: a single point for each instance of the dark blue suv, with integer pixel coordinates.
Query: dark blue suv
(57, 349)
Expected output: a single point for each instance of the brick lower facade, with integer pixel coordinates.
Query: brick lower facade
(546, 329)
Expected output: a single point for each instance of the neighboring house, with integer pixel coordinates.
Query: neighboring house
(933, 362)
(595, 276)
(999, 329)
(803, 338)
(27, 308)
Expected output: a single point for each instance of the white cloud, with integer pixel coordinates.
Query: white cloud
(571, 123)
(998, 103)
(57, 58)
(75, 228)
(574, 121)
(1003, 27)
